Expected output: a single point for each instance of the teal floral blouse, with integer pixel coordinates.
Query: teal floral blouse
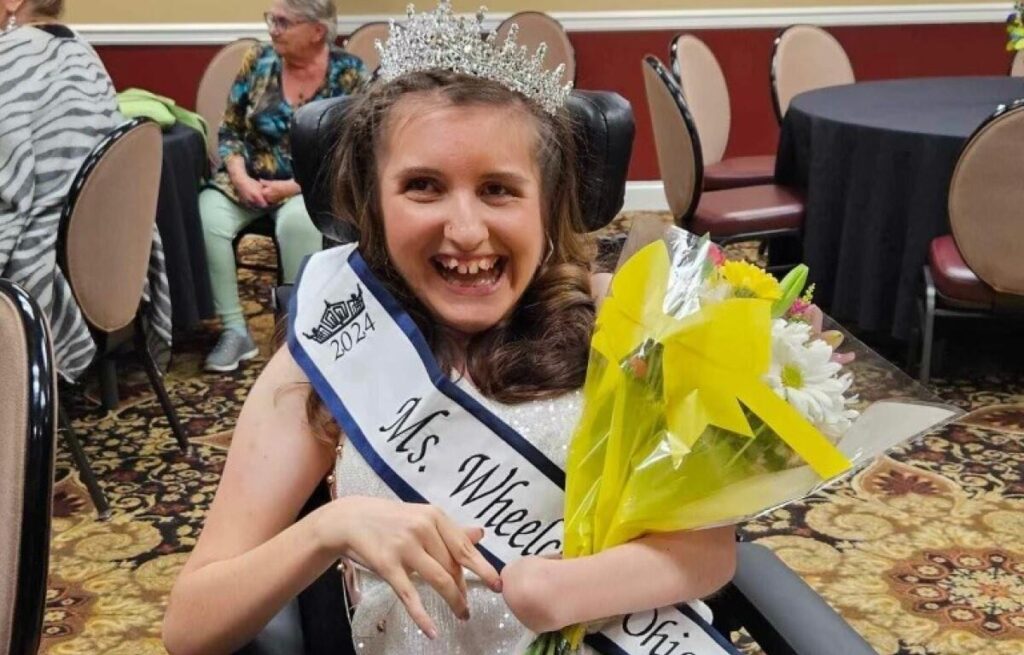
(258, 117)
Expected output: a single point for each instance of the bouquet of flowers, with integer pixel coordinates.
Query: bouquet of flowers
(1015, 27)
(712, 395)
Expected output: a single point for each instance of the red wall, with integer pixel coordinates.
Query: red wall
(611, 60)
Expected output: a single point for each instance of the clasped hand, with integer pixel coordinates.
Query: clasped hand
(264, 193)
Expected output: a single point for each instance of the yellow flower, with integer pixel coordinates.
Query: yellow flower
(749, 281)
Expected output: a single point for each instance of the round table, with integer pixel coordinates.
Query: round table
(875, 160)
(177, 219)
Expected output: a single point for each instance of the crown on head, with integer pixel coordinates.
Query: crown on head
(439, 39)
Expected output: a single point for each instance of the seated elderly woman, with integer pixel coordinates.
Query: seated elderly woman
(255, 177)
(58, 104)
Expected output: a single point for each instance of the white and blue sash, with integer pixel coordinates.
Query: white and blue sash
(431, 442)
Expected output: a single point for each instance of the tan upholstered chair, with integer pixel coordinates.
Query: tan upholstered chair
(761, 212)
(28, 397)
(1017, 64)
(361, 43)
(805, 58)
(104, 242)
(977, 271)
(212, 95)
(537, 27)
(703, 85)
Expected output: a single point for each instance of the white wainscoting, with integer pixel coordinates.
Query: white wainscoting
(645, 196)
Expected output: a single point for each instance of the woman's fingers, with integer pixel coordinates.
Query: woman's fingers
(443, 583)
(254, 199)
(438, 549)
(406, 592)
(461, 546)
(252, 193)
(260, 197)
(475, 533)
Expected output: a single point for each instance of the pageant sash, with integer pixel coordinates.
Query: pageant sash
(432, 442)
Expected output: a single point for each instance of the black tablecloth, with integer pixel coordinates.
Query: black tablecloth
(177, 217)
(875, 160)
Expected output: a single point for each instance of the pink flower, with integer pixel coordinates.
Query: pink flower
(843, 358)
(716, 254)
(798, 308)
(814, 316)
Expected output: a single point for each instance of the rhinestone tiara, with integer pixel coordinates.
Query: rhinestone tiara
(439, 39)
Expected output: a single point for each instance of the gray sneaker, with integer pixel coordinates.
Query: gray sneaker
(231, 348)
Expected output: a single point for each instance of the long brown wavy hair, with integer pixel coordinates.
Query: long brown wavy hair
(540, 350)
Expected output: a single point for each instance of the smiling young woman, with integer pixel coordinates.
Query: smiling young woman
(472, 266)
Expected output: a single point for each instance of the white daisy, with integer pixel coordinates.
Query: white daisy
(802, 372)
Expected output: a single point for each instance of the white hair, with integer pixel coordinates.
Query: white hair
(322, 11)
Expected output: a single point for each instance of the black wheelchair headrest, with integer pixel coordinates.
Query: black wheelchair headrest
(603, 126)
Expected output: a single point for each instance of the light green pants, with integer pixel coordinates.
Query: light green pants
(223, 219)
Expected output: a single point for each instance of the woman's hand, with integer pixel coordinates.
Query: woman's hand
(250, 191)
(395, 540)
(277, 191)
(530, 588)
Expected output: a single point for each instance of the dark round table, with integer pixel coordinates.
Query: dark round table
(177, 219)
(875, 160)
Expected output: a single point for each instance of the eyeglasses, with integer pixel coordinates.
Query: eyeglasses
(277, 23)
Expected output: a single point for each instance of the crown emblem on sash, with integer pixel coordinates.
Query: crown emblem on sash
(336, 316)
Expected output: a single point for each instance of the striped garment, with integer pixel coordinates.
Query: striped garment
(56, 103)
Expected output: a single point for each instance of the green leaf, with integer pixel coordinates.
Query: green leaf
(792, 285)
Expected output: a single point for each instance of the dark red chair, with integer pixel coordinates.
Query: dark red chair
(103, 248)
(754, 213)
(978, 270)
(702, 82)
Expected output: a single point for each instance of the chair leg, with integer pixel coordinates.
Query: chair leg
(107, 371)
(156, 379)
(913, 341)
(99, 499)
(939, 351)
(927, 331)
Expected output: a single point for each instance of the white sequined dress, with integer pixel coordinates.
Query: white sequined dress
(381, 625)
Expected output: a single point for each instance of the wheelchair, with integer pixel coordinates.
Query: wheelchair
(774, 605)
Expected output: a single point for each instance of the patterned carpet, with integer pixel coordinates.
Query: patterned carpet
(923, 553)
